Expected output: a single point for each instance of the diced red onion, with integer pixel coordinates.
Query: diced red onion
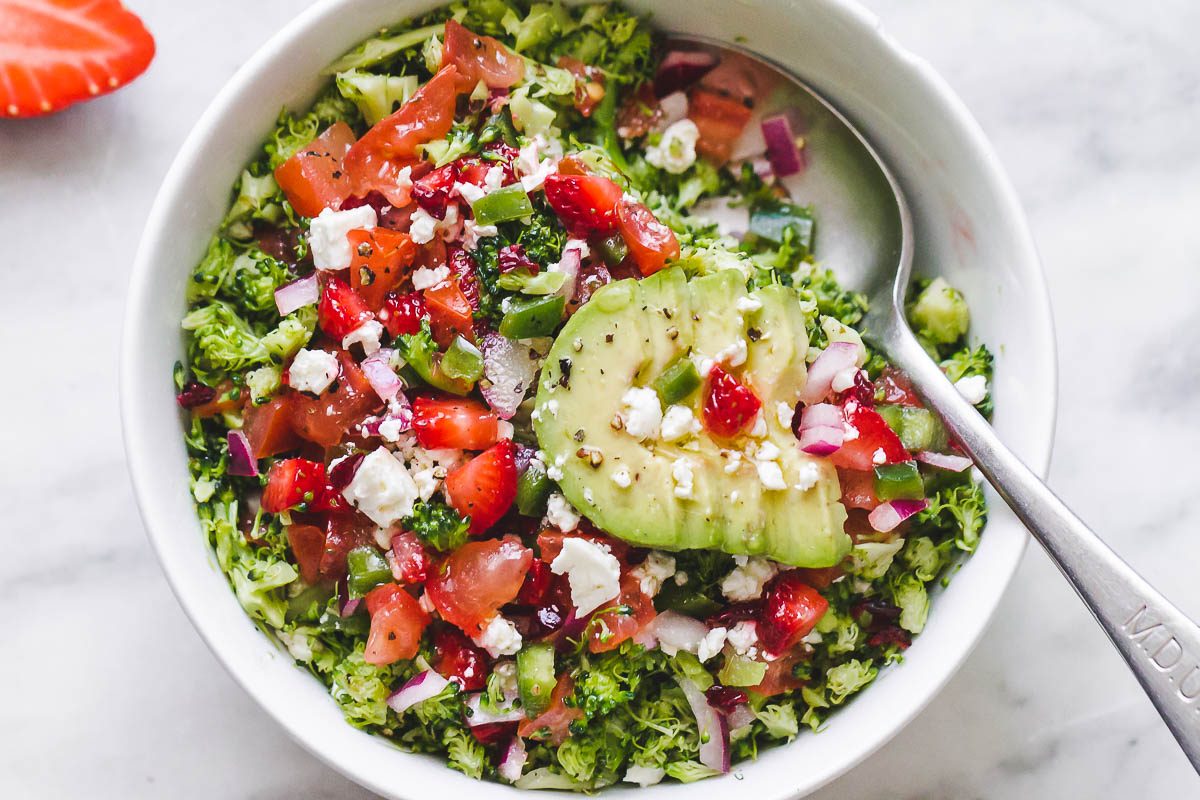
(836, 357)
(714, 729)
(945, 461)
(679, 69)
(297, 294)
(241, 459)
(740, 717)
(821, 415)
(574, 625)
(782, 151)
(511, 369)
(348, 606)
(398, 411)
(762, 168)
(513, 760)
(477, 715)
(418, 689)
(888, 515)
(674, 108)
(821, 430)
(569, 265)
(383, 379)
(677, 632)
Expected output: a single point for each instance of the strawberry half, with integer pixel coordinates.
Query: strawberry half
(484, 488)
(54, 53)
(791, 610)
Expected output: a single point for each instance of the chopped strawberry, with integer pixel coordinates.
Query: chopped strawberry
(55, 53)
(454, 422)
(293, 482)
(409, 562)
(403, 313)
(791, 610)
(586, 204)
(869, 442)
(484, 488)
(729, 406)
(462, 266)
(432, 192)
(340, 310)
(457, 659)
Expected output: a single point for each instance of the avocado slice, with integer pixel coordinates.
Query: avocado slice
(626, 336)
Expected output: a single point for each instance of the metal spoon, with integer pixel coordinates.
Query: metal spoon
(869, 231)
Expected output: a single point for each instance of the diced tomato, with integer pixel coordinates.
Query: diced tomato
(651, 243)
(608, 630)
(403, 313)
(858, 489)
(480, 58)
(586, 204)
(554, 724)
(875, 444)
(432, 192)
(550, 541)
(340, 309)
(308, 546)
(344, 531)
(269, 427)
(450, 313)
(720, 119)
(462, 267)
(324, 420)
(484, 488)
(375, 161)
(895, 389)
(474, 581)
(780, 676)
(537, 584)
(409, 562)
(381, 595)
(791, 610)
(459, 660)
(396, 628)
(313, 179)
(454, 422)
(293, 482)
(380, 260)
(729, 405)
(589, 84)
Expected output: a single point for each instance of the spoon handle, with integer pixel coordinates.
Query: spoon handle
(1158, 641)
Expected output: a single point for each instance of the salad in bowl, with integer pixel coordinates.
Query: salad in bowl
(523, 413)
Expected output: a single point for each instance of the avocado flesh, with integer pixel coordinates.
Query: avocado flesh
(627, 334)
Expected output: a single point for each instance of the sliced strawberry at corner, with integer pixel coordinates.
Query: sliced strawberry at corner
(457, 659)
(586, 204)
(869, 441)
(403, 313)
(432, 192)
(340, 310)
(484, 488)
(409, 562)
(791, 610)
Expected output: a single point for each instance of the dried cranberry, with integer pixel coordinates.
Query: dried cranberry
(863, 390)
(513, 257)
(195, 394)
(493, 732)
(881, 611)
(463, 266)
(432, 192)
(537, 584)
(457, 659)
(891, 635)
(549, 618)
(724, 698)
(279, 243)
(341, 473)
(586, 204)
(735, 613)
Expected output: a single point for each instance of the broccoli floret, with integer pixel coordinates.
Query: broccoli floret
(375, 96)
(940, 313)
(224, 343)
(960, 510)
(438, 525)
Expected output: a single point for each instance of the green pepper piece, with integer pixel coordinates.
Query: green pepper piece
(772, 224)
(918, 428)
(613, 249)
(533, 489)
(535, 677)
(532, 316)
(899, 482)
(685, 600)
(502, 205)
(367, 569)
(677, 381)
(462, 361)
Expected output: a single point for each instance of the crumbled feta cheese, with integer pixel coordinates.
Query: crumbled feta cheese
(759, 429)
(711, 644)
(770, 475)
(652, 572)
(554, 472)
(676, 151)
(327, 235)
(537, 160)
(422, 226)
(427, 482)
(426, 278)
(681, 473)
(807, 476)
(500, 638)
(368, 335)
(312, 371)
(559, 512)
(704, 366)
(844, 379)
(973, 388)
(767, 451)
(678, 423)
(784, 413)
(813, 637)
(644, 776)
(505, 429)
(747, 304)
(850, 433)
(592, 571)
(735, 461)
(742, 637)
(494, 179)
(733, 354)
(451, 226)
(878, 457)
(473, 232)
(622, 478)
(746, 581)
(391, 428)
(469, 192)
(382, 488)
(641, 412)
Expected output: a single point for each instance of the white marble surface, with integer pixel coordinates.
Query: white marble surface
(1094, 106)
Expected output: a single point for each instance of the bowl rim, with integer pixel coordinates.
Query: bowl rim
(139, 450)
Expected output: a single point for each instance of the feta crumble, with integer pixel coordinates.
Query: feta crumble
(844, 380)
(469, 192)
(653, 572)
(747, 304)
(426, 278)
(592, 571)
(784, 413)
(473, 232)
(770, 475)
(678, 423)
(743, 637)
(711, 644)
(382, 488)
(368, 335)
(312, 371)
(746, 581)
(622, 478)
(878, 457)
(559, 512)
(641, 413)
(676, 151)
(807, 476)
(733, 354)
(500, 638)
(327, 235)
(681, 473)
(422, 226)
(973, 388)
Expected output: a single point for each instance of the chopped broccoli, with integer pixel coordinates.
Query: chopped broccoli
(438, 525)
(940, 313)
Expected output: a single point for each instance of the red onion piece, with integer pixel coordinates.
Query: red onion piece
(740, 717)
(945, 461)
(821, 415)
(837, 357)
(887, 516)
(511, 369)
(241, 459)
(677, 632)
(383, 379)
(418, 689)
(679, 69)
(714, 729)
(477, 715)
(674, 108)
(513, 760)
(782, 151)
(348, 605)
(297, 294)
(569, 265)
(822, 441)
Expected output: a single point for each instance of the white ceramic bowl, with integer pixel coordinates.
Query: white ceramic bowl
(969, 228)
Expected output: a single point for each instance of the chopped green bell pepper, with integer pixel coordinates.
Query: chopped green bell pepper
(899, 482)
(502, 205)
(532, 316)
(677, 381)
